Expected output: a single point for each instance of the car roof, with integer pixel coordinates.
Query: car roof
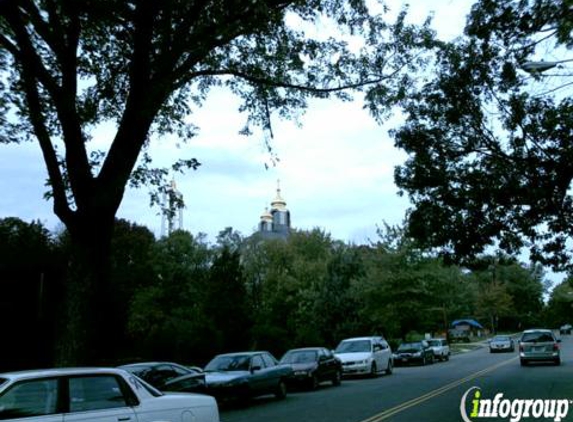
(306, 349)
(148, 364)
(54, 372)
(362, 338)
(243, 353)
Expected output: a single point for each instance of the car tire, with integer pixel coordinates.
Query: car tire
(557, 361)
(337, 378)
(523, 362)
(373, 370)
(390, 367)
(281, 390)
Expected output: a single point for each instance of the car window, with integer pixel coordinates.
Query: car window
(269, 361)
(2, 381)
(300, 356)
(537, 337)
(229, 363)
(257, 361)
(180, 371)
(29, 398)
(354, 346)
(95, 392)
(407, 347)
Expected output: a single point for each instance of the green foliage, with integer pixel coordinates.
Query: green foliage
(490, 160)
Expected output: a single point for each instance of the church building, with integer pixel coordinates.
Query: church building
(275, 223)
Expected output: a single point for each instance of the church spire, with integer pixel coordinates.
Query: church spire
(278, 203)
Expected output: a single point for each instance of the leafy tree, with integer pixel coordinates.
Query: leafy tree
(559, 309)
(226, 304)
(167, 318)
(131, 270)
(71, 66)
(490, 159)
(30, 269)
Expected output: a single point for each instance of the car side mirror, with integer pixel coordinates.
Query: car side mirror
(255, 368)
(558, 340)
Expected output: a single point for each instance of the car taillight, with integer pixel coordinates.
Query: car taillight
(555, 347)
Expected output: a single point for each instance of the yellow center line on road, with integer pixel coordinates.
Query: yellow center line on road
(415, 401)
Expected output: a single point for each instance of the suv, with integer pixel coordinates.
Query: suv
(565, 329)
(539, 345)
(440, 347)
(365, 356)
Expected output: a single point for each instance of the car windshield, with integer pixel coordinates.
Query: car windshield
(301, 356)
(3, 381)
(501, 338)
(537, 337)
(354, 346)
(229, 363)
(410, 347)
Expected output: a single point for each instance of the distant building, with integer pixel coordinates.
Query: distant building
(275, 223)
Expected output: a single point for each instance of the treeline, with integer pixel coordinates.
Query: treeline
(185, 299)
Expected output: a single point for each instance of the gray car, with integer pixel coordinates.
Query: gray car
(501, 343)
(539, 345)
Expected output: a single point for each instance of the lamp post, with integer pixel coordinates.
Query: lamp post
(535, 68)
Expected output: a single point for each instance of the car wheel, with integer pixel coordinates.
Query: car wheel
(337, 378)
(557, 361)
(523, 362)
(373, 370)
(390, 367)
(281, 390)
(447, 357)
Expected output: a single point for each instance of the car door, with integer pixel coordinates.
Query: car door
(98, 398)
(378, 354)
(328, 364)
(31, 400)
(259, 378)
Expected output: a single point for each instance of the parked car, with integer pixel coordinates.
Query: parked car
(241, 376)
(365, 356)
(565, 329)
(539, 345)
(102, 394)
(312, 365)
(169, 376)
(418, 352)
(501, 343)
(440, 347)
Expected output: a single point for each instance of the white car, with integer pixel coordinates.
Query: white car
(98, 394)
(365, 356)
(440, 347)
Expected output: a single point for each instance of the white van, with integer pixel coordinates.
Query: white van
(365, 356)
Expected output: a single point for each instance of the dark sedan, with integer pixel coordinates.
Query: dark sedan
(313, 365)
(241, 376)
(168, 376)
(418, 352)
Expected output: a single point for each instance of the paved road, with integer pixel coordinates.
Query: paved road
(430, 394)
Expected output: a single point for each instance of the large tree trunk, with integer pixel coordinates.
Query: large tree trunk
(81, 333)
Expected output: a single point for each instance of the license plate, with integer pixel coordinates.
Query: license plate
(539, 349)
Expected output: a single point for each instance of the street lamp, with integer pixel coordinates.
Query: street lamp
(539, 67)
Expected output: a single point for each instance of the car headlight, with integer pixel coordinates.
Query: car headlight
(418, 354)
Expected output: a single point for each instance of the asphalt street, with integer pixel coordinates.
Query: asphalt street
(430, 393)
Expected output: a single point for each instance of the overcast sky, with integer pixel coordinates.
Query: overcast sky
(336, 171)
